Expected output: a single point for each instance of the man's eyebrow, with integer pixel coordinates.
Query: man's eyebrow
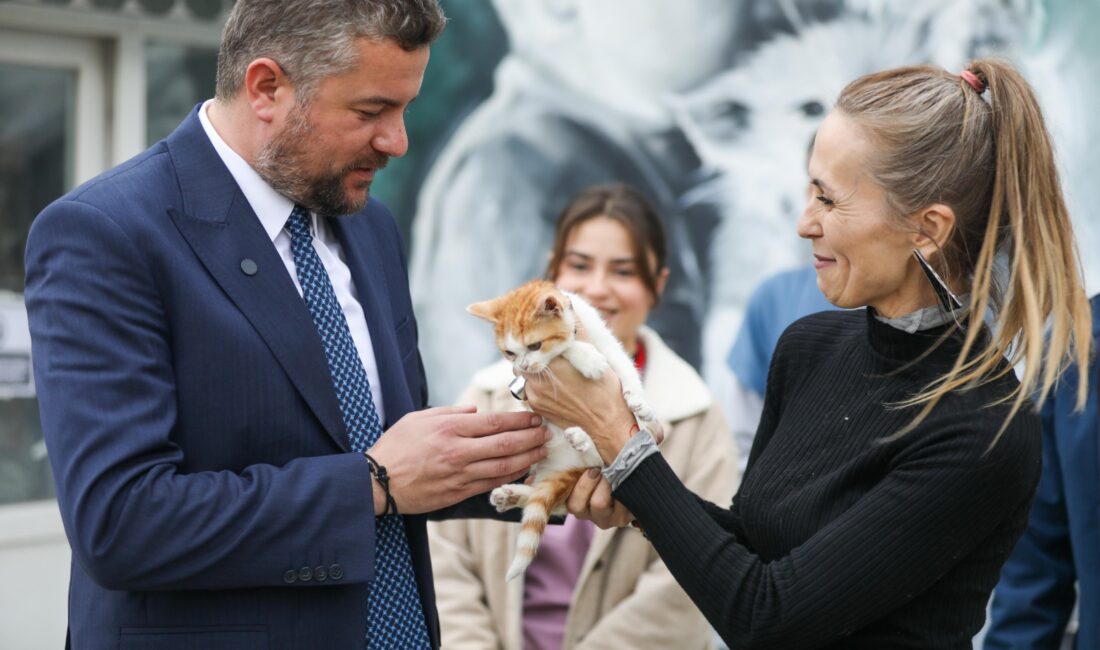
(375, 100)
(820, 184)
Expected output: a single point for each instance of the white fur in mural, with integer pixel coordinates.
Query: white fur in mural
(752, 127)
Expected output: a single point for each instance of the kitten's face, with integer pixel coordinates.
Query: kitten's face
(533, 324)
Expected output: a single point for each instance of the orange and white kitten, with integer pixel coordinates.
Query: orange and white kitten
(534, 324)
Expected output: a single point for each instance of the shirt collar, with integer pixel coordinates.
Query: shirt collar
(272, 208)
(926, 318)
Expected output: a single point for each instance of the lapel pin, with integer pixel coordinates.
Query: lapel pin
(248, 266)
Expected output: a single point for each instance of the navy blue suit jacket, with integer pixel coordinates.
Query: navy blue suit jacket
(203, 470)
(1033, 601)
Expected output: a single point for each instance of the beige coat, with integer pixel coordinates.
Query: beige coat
(625, 597)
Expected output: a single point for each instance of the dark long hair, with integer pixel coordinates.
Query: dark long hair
(627, 206)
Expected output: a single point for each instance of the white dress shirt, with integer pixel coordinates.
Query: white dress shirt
(273, 210)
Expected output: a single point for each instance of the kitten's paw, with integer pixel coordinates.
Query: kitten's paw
(638, 406)
(657, 429)
(587, 360)
(577, 439)
(645, 415)
(509, 496)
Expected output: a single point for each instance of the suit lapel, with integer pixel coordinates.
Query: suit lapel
(222, 230)
(366, 261)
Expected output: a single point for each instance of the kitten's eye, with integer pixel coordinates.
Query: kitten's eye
(534, 346)
(509, 354)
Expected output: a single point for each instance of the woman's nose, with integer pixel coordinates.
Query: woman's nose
(596, 285)
(809, 226)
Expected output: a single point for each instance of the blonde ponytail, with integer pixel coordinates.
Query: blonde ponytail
(986, 153)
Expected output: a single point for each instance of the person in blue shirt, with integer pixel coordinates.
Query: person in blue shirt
(1033, 601)
(778, 301)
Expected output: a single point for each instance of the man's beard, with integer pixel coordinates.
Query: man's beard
(283, 163)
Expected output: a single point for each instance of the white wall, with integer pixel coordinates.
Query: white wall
(34, 560)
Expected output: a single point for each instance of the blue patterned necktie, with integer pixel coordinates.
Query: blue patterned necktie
(396, 619)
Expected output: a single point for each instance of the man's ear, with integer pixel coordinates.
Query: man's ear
(935, 224)
(487, 309)
(264, 85)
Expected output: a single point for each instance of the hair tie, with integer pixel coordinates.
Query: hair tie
(972, 79)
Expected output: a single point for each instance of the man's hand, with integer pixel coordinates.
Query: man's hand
(591, 499)
(440, 456)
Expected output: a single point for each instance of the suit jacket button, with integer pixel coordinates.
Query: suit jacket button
(290, 577)
(320, 573)
(336, 572)
(305, 574)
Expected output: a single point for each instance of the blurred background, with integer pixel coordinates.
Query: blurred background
(707, 106)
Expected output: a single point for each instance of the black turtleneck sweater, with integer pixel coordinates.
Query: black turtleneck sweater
(838, 537)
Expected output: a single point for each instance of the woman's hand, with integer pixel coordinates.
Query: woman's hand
(591, 499)
(567, 398)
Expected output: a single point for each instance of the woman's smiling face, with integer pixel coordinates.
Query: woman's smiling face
(861, 254)
(600, 266)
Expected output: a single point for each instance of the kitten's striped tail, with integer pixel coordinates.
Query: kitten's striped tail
(549, 493)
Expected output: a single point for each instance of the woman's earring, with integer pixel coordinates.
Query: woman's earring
(948, 300)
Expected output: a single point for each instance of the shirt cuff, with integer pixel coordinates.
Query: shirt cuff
(640, 446)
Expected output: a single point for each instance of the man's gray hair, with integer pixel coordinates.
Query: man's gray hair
(314, 39)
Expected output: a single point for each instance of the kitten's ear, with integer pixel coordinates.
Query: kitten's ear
(551, 306)
(487, 309)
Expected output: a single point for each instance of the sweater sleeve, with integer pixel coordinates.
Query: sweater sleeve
(657, 613)
(940, 500)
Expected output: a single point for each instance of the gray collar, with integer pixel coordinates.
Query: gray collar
(927, 317)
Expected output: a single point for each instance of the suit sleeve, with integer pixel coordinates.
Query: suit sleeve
(106, 386)
(1034, 598)
(464, 616)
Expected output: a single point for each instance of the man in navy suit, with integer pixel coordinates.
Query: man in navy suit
(1056, 564)
(194, 401)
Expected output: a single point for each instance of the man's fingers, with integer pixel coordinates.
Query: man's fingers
(447, 410)
(499, 469)
(476, 425)
(505, 444)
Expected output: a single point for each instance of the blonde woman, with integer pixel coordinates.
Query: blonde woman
(897, 454)
(590, 588)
